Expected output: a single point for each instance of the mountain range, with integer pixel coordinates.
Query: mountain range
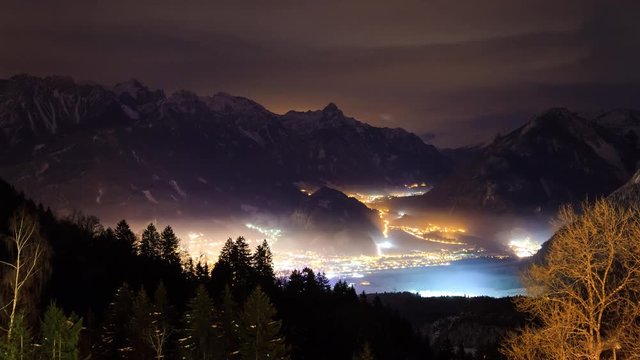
(130, 151)
(557, 157)
(104, 149)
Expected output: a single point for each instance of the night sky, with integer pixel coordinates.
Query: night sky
(455, 72)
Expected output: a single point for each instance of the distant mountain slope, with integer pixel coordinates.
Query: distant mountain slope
(555, 158)
(629, 194)
(333, 222)
(103, 149)
(622, 122)
(340, 149)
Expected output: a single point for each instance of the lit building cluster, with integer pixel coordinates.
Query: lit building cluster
(414, 189)
(200, 247)
(424, 234)
(345, 266)
(370, 198)
(367, 198)
(337, 266)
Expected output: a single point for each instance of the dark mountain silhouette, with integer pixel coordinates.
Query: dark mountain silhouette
(333, 222)
(629, 193)
(102, 150)
(557, 157)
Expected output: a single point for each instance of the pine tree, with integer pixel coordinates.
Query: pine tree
(259, 333)
(140, 322)
(60, 334)
(160, 327)
(263, 265)
(222, 274)
(240, 260)
(225, 252)
(296, 284)
(342, 290)
(310, 281)
(200, 330)
(170, 242)
(150, 246)
(160, 301)
(324, 285)
(125, 236)
(19, 346)
(241, 269)
(189, 268)
(114, 343)
(228, 322)
(234, 268)
(202, 270)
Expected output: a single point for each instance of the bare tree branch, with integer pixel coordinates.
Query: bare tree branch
(585, 296)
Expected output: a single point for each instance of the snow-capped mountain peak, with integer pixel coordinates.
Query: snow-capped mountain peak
(226, 103)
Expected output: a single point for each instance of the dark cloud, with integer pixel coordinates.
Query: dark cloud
(459, 71)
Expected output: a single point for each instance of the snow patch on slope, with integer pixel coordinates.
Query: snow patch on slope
(132, 114)
(607, 152)
(38, 148)
(253, 136)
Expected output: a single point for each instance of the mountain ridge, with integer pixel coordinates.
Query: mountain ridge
(87, 146)
(556, 157)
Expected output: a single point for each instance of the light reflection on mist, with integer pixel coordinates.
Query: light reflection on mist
(477, 277)
(492, 233)
(471, 243)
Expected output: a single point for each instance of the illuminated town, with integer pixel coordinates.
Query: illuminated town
(387, 257)
(368, 198)
(337, 265)
(357, 266)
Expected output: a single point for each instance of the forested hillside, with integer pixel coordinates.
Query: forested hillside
(108, 294)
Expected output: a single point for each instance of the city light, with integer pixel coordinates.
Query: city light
(383, 245)
(524, 247)
(424, 233)
(341, 266)
(306, 192)
(271, 234)
(356, 266)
